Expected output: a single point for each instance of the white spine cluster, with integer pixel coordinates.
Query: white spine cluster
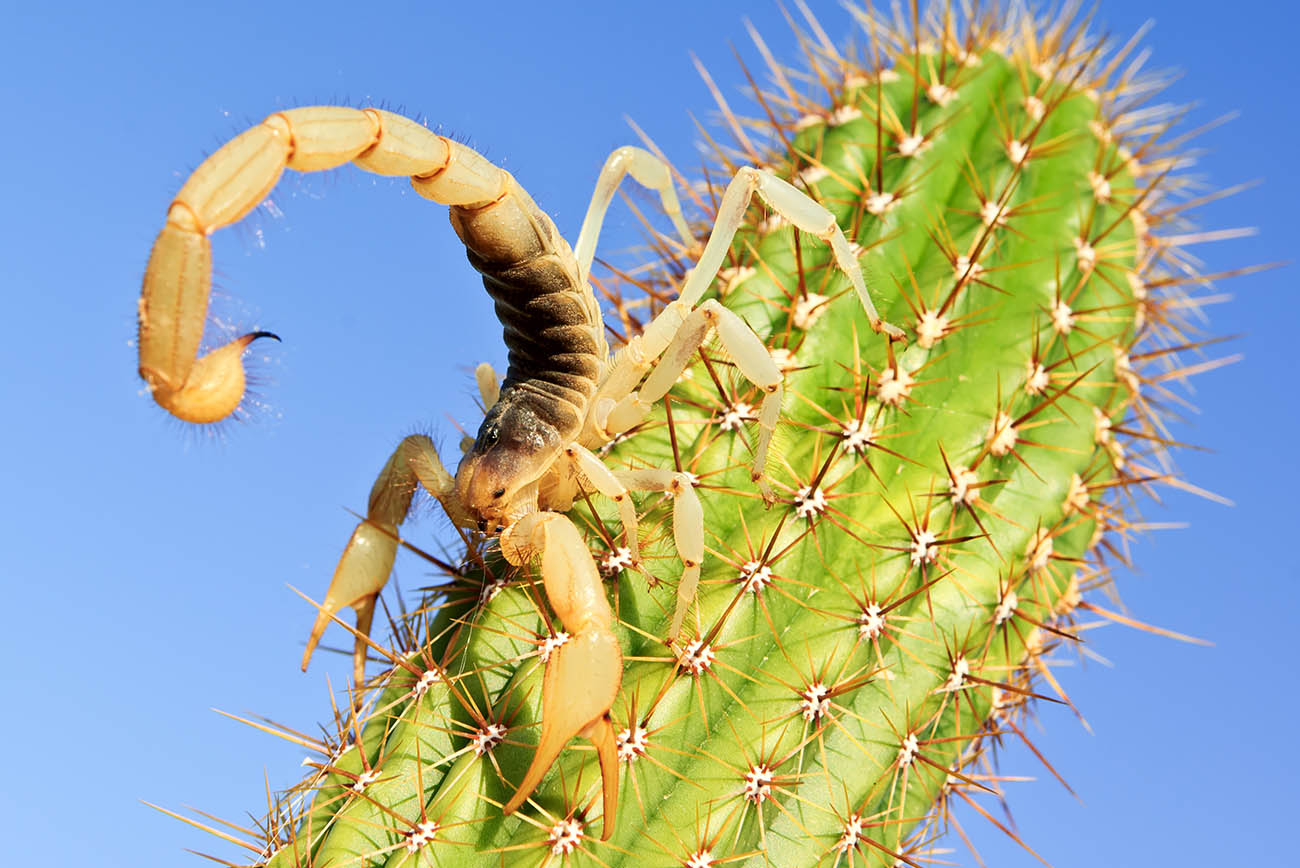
(758, 784)
(697, 658)
(931, 326)
(755, 576)
(957, 678)
(844, 114)
(1002, 435)
(565, 837)
(894, 386)
(1006, 608)
(735, 416)
(487, 738)
(551, 645)
(815, 702)
(701, 858)
(858, 436)
(924, 548)
(1034, 107)
(851, 835)
(809, 309)
(1077, 499)
(809, 502)
(1062, 318)
(908, 750)
(1039, 549)
(992, 214)
(911, 145)
(632, 743)
(871, 623)
(1036, 377)
(427, 680)
(616, 561)
(488, 592)
(961, 488)
(419, 836)
(965, 269)
(880, 203)
(940, 94)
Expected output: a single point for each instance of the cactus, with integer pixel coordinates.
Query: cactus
(944, 509)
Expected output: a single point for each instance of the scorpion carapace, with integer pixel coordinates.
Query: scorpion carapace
(497, 479)
(562, 398)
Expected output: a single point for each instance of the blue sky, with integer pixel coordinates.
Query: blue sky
(146, 566)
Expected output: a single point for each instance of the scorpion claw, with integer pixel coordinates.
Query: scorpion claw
(360, 576)
(580, 685)
(602, 736)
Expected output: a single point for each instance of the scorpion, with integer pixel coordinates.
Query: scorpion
(563, 396)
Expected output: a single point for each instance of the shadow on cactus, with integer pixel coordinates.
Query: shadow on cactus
(940, 509)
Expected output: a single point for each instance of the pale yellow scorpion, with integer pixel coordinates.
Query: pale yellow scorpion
(563, 395)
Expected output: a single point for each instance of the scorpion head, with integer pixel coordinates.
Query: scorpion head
(496, 480)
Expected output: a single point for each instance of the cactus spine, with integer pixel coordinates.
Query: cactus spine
(944, 507)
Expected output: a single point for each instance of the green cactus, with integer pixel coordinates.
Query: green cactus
(943, 507)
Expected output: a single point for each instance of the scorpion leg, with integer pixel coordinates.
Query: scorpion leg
(651, 173)
(607, 483)
(677, 331)
(489, 385)
(691, 329)
(367, 560)
(799, 209)
(583, 675)
(688, 530)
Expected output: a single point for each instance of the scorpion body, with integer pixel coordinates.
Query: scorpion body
(563, 395)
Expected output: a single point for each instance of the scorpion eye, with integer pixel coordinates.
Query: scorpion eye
(489, 437)
(500, 492)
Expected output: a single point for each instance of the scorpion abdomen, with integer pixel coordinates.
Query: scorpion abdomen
(552, 352)
(551, 324)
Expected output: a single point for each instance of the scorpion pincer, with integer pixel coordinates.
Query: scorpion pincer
(563, 395)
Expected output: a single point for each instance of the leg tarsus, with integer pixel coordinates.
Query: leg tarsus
(686, 590)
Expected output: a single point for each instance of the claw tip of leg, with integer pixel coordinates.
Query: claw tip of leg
(311, 649)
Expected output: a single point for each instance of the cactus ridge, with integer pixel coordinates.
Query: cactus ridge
(856, 650)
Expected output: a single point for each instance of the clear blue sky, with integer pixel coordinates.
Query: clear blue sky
(145, 566)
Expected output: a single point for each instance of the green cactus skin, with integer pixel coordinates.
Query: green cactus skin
(856, 648)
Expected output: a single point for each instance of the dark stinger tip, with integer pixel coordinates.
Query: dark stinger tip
(255, 335)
